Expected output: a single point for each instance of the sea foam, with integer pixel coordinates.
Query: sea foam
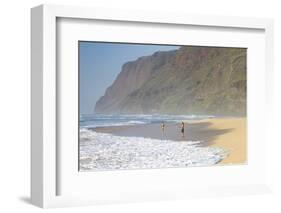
(100, 151)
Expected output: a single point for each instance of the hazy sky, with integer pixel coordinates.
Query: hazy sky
(100, 63)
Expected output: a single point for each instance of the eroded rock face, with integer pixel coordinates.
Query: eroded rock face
(190, 80)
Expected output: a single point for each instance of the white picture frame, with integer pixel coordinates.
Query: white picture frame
(45, 168)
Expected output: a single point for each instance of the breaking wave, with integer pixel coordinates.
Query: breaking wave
(100, 151)
(98, 120)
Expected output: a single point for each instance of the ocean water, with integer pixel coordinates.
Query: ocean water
(98, 120)
(101, 151)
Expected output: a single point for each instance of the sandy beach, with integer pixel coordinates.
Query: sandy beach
(226, 133)
(235, 140)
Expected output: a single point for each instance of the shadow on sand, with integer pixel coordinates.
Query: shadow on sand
(203, 132)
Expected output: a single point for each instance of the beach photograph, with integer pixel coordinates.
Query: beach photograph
(154, 106)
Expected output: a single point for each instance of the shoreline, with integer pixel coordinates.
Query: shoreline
(228, 133)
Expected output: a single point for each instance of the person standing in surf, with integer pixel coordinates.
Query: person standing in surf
(182, 129)
(163, 128)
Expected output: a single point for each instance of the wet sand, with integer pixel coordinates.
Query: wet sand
(227, 133)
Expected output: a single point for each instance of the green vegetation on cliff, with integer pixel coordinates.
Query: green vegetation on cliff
(191, 80)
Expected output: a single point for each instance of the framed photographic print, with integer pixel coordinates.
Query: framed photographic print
(130, 106)
(165, 106)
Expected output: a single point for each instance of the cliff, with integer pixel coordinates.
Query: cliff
(190, 80)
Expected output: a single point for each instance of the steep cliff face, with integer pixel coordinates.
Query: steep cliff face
(191, 80)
